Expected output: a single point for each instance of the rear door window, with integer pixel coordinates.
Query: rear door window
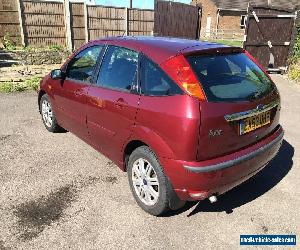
(155, 82)
(230, 77)
(118, 69)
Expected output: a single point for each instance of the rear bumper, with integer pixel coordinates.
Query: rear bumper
(199, 180)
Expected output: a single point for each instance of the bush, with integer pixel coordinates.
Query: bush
(294, 69)
(296, 49)
(294, 72)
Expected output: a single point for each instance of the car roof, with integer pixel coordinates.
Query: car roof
(159, 49)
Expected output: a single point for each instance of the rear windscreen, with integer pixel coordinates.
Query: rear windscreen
(230, 77)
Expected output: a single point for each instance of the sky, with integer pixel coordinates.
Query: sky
(143, 4)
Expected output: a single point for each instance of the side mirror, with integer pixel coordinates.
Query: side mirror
(57, 74)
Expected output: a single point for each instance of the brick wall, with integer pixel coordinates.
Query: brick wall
(230, 19)
(208, 9)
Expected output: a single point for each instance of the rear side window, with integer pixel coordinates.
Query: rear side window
(81, 67)
(155, 82)
(118, 69)
(230, 77)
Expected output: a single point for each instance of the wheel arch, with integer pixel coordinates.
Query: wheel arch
(129, 148)
(41, 93)
(143, 136)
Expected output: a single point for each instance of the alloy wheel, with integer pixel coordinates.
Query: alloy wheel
(145, 182)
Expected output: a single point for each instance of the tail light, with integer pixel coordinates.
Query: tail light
(180, 71)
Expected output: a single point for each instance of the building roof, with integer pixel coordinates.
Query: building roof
(242, 5)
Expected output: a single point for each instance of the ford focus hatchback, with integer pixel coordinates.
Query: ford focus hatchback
(187, 120)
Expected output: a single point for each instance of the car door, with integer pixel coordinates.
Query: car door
(113, 100)
(71, 93)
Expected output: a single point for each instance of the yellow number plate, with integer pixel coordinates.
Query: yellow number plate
(254, 122)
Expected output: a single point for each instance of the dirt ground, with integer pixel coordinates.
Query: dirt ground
(56, 192)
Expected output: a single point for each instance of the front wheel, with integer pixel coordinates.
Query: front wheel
(149, 185)
(48, 115)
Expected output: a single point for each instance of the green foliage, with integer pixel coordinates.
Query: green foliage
(294, 61)
(296, 51)
(33, 83)
(28, 84)
(294, 73)
(56, 48)
(8, 87)
(8, 43)
(29, 48)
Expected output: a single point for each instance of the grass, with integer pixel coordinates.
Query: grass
(28, 84)
(235, 43)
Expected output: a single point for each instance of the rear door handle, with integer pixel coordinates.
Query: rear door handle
(120, 103)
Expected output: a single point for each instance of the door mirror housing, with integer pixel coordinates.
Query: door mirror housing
(57, 74)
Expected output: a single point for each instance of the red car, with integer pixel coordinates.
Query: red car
(188, 120)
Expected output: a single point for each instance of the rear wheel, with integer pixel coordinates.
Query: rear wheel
(149, 185)
(48, 115)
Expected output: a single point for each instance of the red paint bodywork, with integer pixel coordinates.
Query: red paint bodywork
(174, 127)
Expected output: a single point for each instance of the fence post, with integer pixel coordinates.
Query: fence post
(294, 33)
(126, 21)
(21, 22)
(68, 25)
(86, 22)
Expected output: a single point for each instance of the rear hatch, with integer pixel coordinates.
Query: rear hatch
(242, 101)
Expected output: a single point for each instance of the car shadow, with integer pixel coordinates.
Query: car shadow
(253, 188)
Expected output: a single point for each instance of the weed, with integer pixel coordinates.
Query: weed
(28, 84)
(8, 43)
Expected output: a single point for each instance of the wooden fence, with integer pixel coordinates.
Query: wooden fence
(177, 19)
(77, 24)
(43, 23)
(140, 22)
(9, 19)
(270, 35)
(38, 23)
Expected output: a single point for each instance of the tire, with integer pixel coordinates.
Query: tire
(48, 116)
(152, 198)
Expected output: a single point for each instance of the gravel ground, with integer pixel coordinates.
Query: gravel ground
(56, 192)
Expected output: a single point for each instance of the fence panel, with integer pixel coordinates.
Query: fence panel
(43, 23)
(105, 21)
(140, 22)
(9, 19)
(176, 19)
(269, 35)
(77, 24)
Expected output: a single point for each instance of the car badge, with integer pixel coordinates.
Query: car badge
(260, 107)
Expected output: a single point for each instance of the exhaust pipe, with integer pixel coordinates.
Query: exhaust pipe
(213, 199)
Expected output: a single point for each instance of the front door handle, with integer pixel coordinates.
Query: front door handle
(78, 92)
